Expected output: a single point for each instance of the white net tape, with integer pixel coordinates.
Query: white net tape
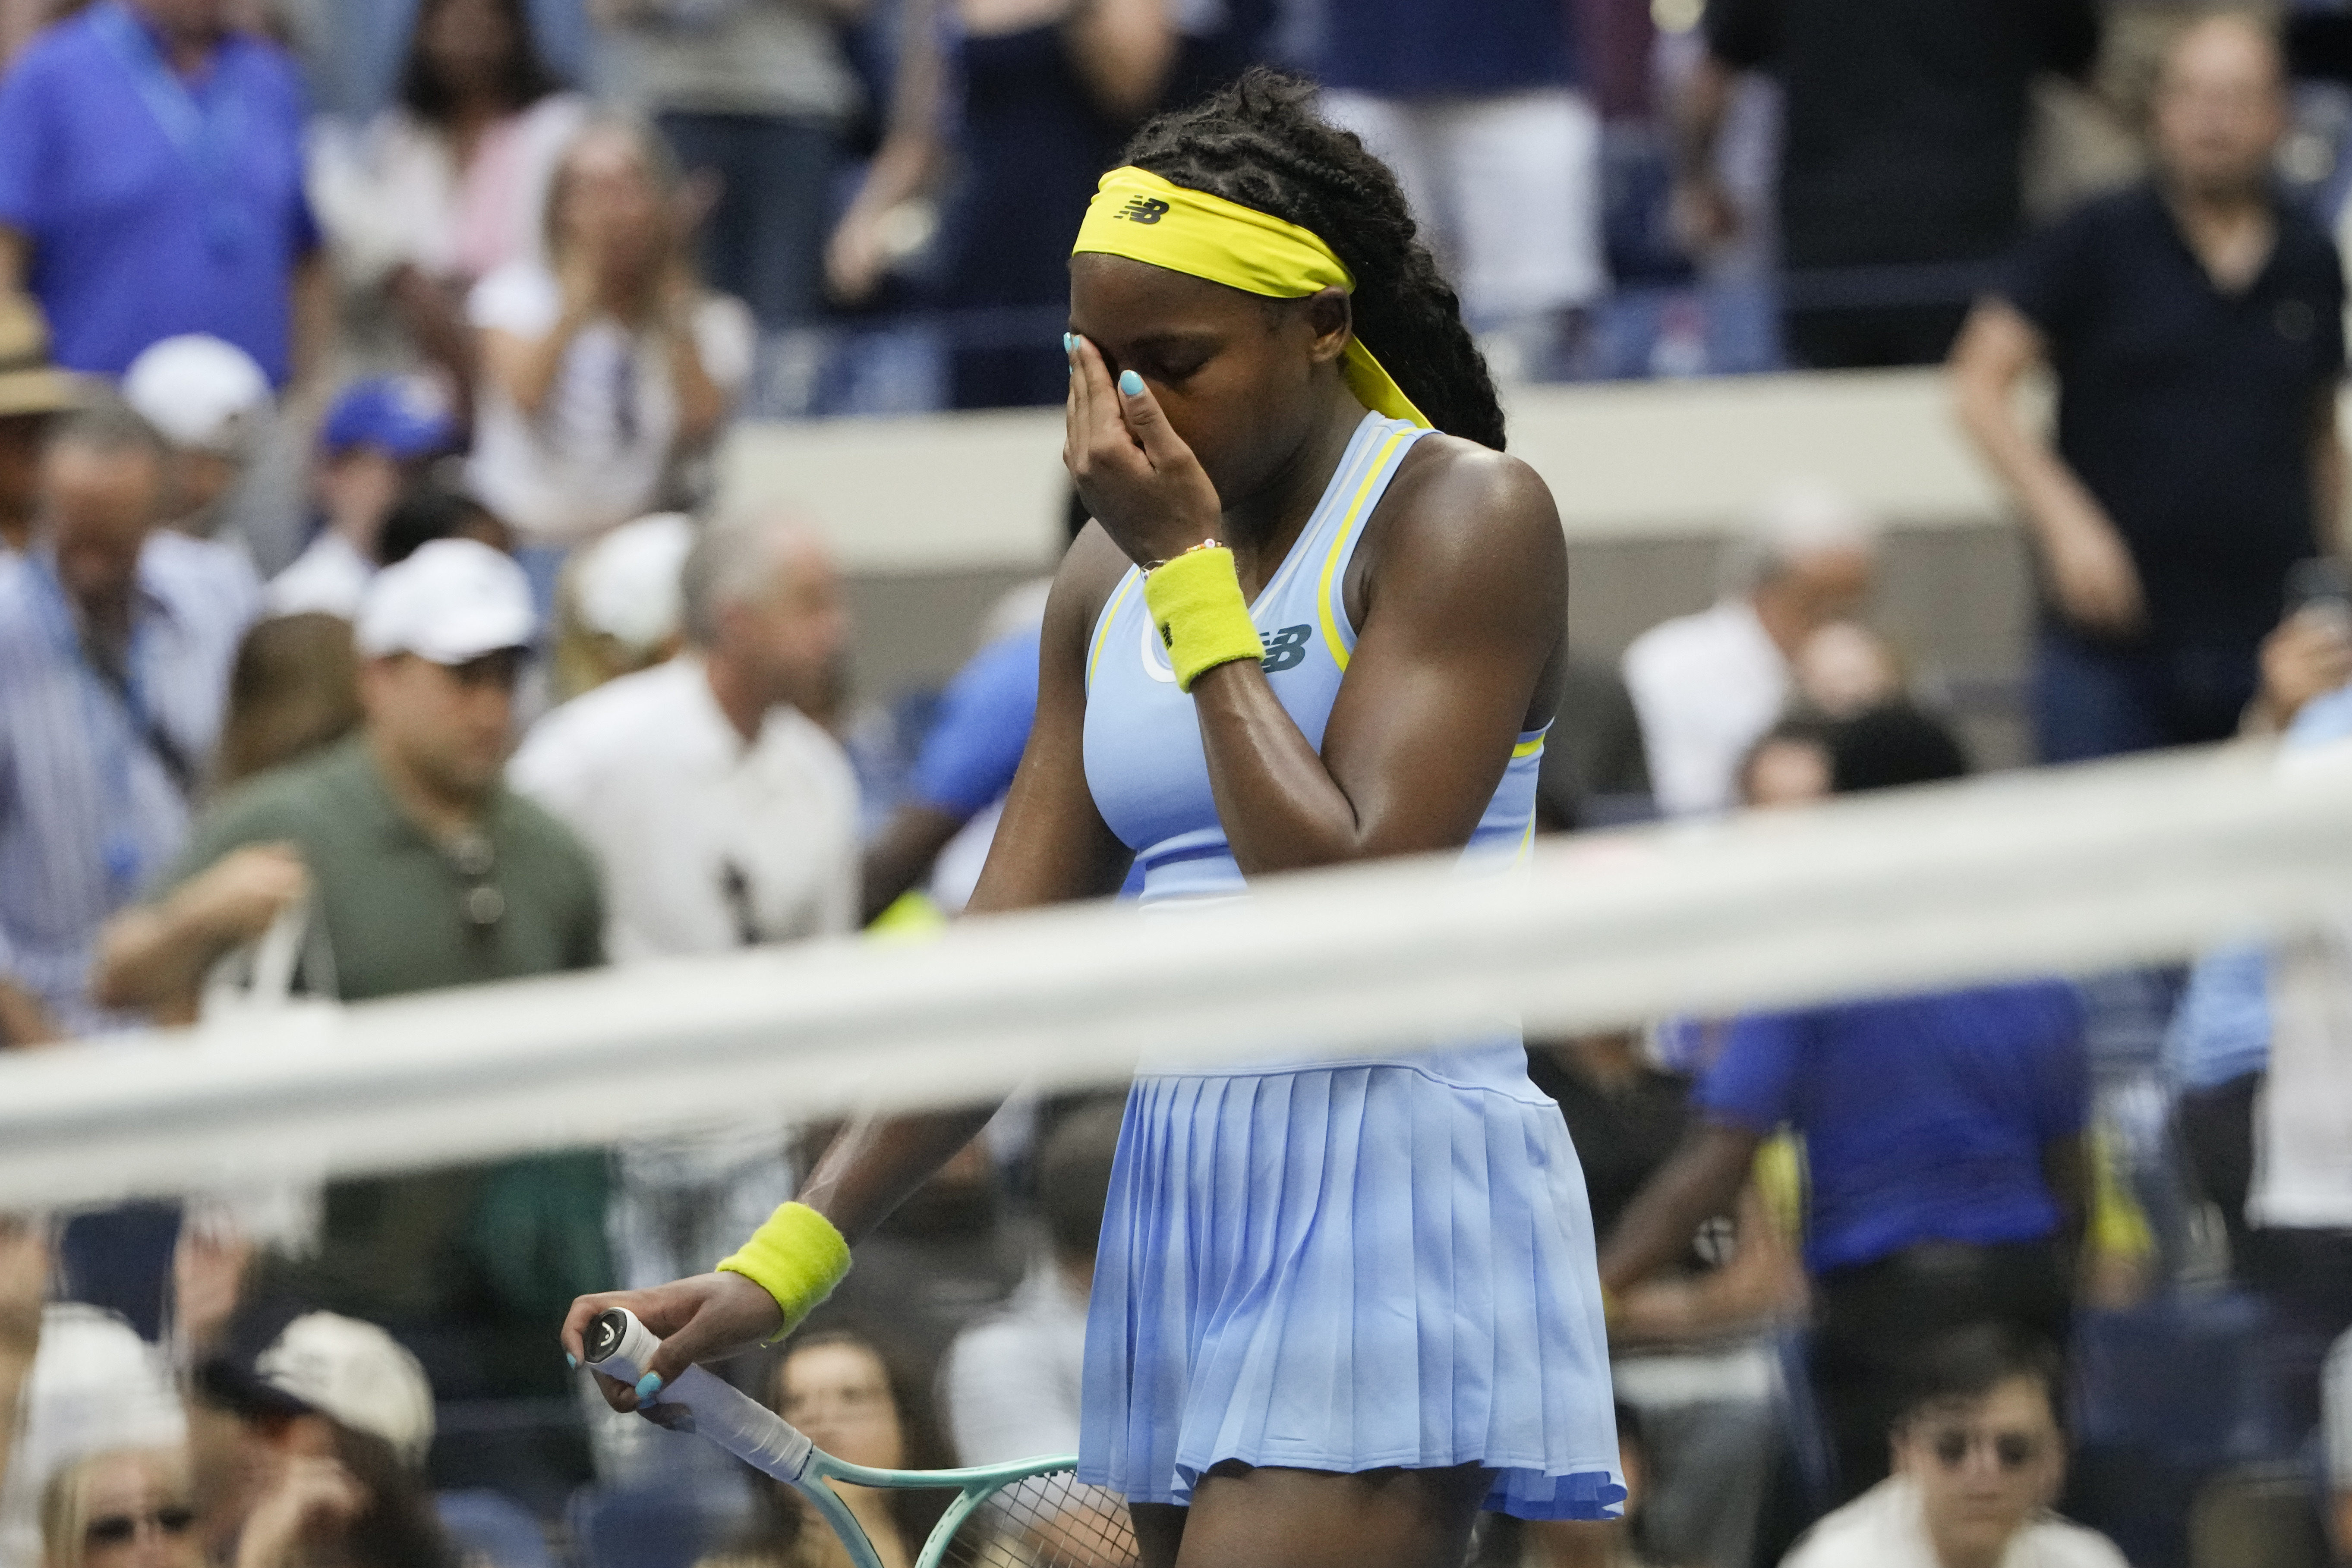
(2061, 872)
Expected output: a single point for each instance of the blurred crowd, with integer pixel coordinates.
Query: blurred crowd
(368, 626)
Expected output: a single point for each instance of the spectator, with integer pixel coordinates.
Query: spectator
(193, 129)
(1944, 1149)
(1707, 686)
(2256, 1053)
(421, 870)
(723, 816)
(758, 97)
(114, 665)
(1685, 1347)
(1845, 668)
(374, 445)
(860, 1403)
(966, 764)
(1979, 1459)
(1902, 148)
(1475, 106)
(209, 402)
(75, 1382)
(127, 1508)
(324, 1459)
(295, 689)
(625, 610)
(1789, 767)
(607, 364)
(32, 393)
(446, 185)
(435, 510)
(1049, 91)
(2195, 324)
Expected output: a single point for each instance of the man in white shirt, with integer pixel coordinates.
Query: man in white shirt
(1979, 1459)
(724, 818)
(376, 441)
(1707, 686)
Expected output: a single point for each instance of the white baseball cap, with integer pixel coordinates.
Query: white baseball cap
(199, 391)
(452, 601)
(356, 1374)
(629, 584)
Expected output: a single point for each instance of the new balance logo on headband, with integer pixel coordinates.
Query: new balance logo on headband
(1143, 210)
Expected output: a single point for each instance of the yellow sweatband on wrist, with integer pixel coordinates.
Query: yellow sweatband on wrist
(797, 1257)
(1196, 602)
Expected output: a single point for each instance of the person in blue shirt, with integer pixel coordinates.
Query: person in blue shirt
(1943, 1146)
(153, 186)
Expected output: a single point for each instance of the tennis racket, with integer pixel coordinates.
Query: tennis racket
(1031, 1513)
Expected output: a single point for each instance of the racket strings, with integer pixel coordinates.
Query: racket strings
(1049, 1520)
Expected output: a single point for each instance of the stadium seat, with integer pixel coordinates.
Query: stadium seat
(490, 1528)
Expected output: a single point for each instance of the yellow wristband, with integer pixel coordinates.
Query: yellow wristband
(797, 1257)
(1196, 602)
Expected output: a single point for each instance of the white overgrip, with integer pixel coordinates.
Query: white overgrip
(715, 1408)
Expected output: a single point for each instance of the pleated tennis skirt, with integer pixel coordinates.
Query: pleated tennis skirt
(1347, 1268)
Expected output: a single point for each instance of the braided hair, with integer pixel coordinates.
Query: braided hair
(1260, 143)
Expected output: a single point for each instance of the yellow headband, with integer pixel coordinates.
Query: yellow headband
(1138, 214)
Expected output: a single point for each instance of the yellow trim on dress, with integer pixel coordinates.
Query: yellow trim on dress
(1323, 600)
(1102, 628)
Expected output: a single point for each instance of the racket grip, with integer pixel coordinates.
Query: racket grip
(619, 1347)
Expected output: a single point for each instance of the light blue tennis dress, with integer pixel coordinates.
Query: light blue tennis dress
(1381, 1261)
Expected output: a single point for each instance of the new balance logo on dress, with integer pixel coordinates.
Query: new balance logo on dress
(1142, 210)
(1285, 648)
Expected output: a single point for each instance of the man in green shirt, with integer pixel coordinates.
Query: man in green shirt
(413, 868)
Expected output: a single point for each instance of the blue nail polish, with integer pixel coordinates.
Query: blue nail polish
(571, 1361)
(1069, 343)
(650, 1385)
(1130, 383)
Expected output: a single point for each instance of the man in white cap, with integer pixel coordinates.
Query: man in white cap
(209, 401)
(421, 870)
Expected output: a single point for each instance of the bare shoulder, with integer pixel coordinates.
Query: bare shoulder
(1457, 507)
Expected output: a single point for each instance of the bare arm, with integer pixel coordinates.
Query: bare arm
(702, 402)
(525, 368)
(2090, 569)
(1706, 1173)
(311, 308)
(1123, 49)
(25, 1261)
(154, 956)
(1464, 610)
(1704, 215)
(24, 1021)
(2327, 475)
(907, 162)
(1051, 846)
(16, 260)
(1762, 1282)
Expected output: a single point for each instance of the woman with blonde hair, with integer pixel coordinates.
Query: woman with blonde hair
(127, 1508)
(607, 365)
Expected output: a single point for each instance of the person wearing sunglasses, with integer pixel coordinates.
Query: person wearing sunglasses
(1978, 1458)
(127, 1508)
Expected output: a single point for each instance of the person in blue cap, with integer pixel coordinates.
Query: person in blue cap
(375, 444)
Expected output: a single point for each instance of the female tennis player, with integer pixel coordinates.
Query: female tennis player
(1319, 618)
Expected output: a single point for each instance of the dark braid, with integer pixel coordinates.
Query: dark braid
(1259, 142)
